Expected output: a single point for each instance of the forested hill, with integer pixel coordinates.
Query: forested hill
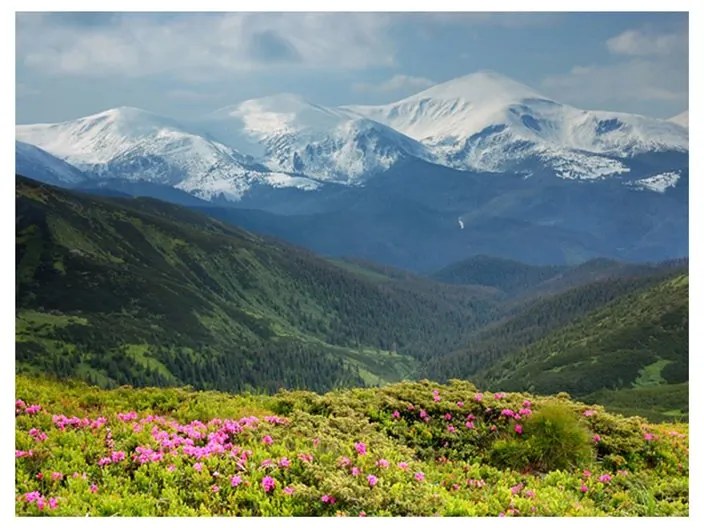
(635, 345)
(138, 291)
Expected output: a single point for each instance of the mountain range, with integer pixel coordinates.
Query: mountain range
(478, 164)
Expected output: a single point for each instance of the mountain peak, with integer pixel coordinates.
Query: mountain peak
(480, 86)
(681, 119)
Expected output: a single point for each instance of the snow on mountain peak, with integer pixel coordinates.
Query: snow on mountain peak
(681, 119)
(486, 121)
(482, 87)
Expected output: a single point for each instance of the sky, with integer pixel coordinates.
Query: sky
(185, 64)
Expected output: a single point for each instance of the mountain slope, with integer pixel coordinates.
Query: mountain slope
(485, 121)
(139, 291)
(536, 314)
(288, 134)
(681, 119)
(638, 340)
(133, 144)
(45, 167)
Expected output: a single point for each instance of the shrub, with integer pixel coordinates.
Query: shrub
(557, 440)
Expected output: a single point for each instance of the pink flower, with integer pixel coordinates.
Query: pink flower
(361, 448)
(423, 414)
(343, 462)
(362, 514)
(328, 499)
(104, 461)
(20, 404)
(492, 428)
(499, 395)
(526, 404)
(410, 407)
(214, 488)
(596, 438)
(316, 441)
(382, 463)
(396, 415)
(355, 471)
(587, 473)
(451, 428)
(197, 466)
(171, 468)
(507, 412)
(648, 437)
(583, 488)
(478, 396)
(372, 479)
(419, 476)
(403, 466)
(518, 428)
(284, 463)
(305, 457)
(589, 412)
(33, 409)
(40, 475)
(37, 435)
(517, 488)
(460, 404)
(605, 478)
(93, 488)
(118, 456)
(32, 496)
(530, 494)
(525, 411)
(268, 483)
(235, 481)
(447, 417)
(469, 425)
(288, 490)
(57, 475)
(436, 395)
(267, 440)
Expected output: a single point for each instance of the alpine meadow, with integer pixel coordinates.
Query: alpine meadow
(352, 264)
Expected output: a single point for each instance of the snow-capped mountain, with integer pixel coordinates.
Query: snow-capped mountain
(134, 144)
(45, 167)
(481, 122)
(485, 121)
(289, 134)
(681, 119)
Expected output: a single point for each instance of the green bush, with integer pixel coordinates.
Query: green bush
(556, 439)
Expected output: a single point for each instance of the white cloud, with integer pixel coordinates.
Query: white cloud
(396, 83)
(650, 68)
(640, 43)
(195, 46)
(179, 94)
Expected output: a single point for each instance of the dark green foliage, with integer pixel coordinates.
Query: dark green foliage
(168, 296)
(638, 339)
(529, 321)
(508, 276)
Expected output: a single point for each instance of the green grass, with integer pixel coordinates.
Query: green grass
(652, 374)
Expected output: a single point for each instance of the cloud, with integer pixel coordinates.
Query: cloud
(396, 83)
(178, 94)
(195, 46)
(640, 43)
(649, 68)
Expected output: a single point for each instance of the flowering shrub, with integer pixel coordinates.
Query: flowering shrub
(405, 449)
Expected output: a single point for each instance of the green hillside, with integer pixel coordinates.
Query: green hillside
(525, 322)
(138, 291)
(407, 449)
(635, 342)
